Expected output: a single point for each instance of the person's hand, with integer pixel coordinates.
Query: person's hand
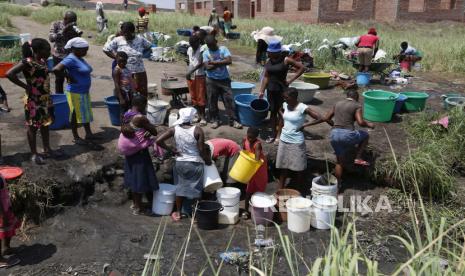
(209, 66)
(208, 162)
(371, 125)
(188, 76)
(286, 82)
(127, 131)
(261, 95)
(69, 27)
(301, 128)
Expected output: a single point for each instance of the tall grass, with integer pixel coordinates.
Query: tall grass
(439, 42)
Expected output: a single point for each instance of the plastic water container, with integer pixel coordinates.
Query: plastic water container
(50, 64)
(239, 88)
(163, 199)
(61, 111)
(283, 195)
(211, 179)
(229, 197)
(262, 208)
(363, 79)
(156, 111)
(172, 118)
(26, 37)
(318, 189)
(245, 167)
(298, 214)
(157, 52)
(324, 209)
(114, 112)
(251, 111)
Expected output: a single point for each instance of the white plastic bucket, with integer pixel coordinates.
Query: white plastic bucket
(172, 118)
(26, 37)
(298, 214)
(156, 111)
(229, 197)
(323, 211)
(262, 208)
(152, 88)
(318, 189)
(157, 52)
(211, 179)
(163, 199)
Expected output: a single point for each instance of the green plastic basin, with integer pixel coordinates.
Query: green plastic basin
(379, 105)
(416, 101)
(9, 41)
(319, 78)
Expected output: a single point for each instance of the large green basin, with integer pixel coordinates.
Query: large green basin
(416, 101)
(379, 105)
(319, 78)
(9, 41)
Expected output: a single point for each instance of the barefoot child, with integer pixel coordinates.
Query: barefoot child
(258, 182)
(124, 83)
(8, 226)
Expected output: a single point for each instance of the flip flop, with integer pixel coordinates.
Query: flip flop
(270, 140)
(175, 216)
(361, 162)
(10, 262)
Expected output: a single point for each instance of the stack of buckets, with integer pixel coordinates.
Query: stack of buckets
(163, 200)
(229, 198)
(319, 212)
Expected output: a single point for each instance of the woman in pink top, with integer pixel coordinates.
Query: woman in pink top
(367, 48)
(226, 148)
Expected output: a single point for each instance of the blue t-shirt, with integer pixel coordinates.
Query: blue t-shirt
(293, 120)
(220, 72)
(79, 70)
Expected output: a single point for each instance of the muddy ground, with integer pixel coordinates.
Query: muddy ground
(92, 224)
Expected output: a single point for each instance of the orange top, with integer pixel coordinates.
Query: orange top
(227, 16)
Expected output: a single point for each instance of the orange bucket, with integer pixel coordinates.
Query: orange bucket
(4, 67)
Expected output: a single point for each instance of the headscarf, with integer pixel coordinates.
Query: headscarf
(266, 34)
(186, 115)
(372, 31)
(141, 10)
(77, 42)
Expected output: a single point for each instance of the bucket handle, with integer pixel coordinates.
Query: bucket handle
(229, 206)
(444, 96)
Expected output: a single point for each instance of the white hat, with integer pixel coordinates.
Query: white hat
(186, 115)
(77, 42)
(267, 34)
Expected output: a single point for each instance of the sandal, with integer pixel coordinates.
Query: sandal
(237, 125)
(361, 162)
(245, 215)
(9, 263)
(37, 159)
(270, 140)
(203, 122)
(143, 212)
(175, 216)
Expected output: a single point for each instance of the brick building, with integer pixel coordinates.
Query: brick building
(314, 11)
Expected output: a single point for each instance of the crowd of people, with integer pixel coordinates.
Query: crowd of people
(208, 80)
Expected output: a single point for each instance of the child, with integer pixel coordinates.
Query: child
(258, 182)
(8, 226)
(124, 83)
(38, 105)
(3, 101)
(196, 77)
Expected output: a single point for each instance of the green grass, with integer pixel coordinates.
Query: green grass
(430, 38)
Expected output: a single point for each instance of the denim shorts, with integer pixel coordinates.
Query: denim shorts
(344, 139)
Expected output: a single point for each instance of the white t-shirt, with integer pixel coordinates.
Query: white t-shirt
(194, 60)
(293, 120)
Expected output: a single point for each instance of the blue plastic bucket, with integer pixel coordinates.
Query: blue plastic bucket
(399, 103)
(113, 110)
(251, 111)
(240, 88)
(363, 79)
(50, 64)
(61, 111)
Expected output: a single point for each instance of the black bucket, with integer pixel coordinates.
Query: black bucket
(207, 214)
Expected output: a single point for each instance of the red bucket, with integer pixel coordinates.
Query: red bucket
(4, 67)
(405, 65)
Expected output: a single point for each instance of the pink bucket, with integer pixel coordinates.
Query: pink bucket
(263, 208)
(405, 65)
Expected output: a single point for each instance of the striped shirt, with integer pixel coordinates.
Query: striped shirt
(142, 24)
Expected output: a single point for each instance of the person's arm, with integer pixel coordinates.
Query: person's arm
(210, 20)
(206, 61)
(110, 49)
(264, 84)
(60, 67)
(165, 136)
(200, 136)
(200, 65)
(360, 121)
(258, 151)
(53, 35)
(5, 100)
(116, 80)
(143, 122)
(12, 75)
(298, 66)
(227, 60)
(375, 50)
(329, 117)
(318, 119)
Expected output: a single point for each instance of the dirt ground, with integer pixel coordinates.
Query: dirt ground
(93, 231)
